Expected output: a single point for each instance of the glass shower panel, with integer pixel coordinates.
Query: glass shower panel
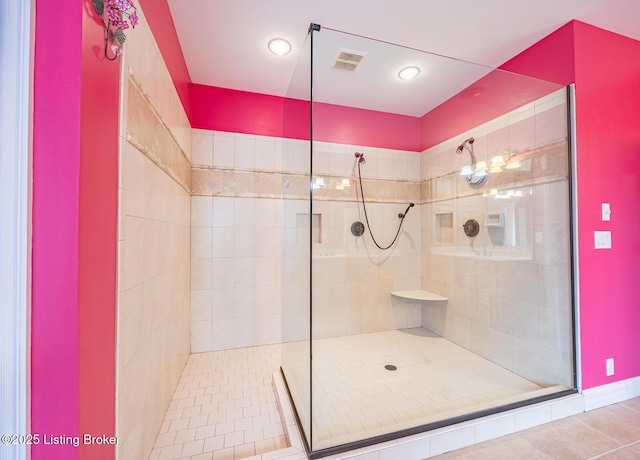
(296, 250)
(404, 338)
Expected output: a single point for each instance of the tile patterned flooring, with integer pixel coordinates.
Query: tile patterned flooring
(224, 408)
(611, 432)
(225, 405)
(356, 398)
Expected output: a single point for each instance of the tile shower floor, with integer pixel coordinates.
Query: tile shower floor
(356, 398)
(225, 406)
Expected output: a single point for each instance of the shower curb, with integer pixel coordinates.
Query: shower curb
(431, 443)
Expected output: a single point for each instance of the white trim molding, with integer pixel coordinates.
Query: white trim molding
(611, 393)
(15, 87)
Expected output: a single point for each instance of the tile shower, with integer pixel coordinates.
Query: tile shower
(509, 287)
(505, 307)
(508, 301)
(237, 230)
(265, 261)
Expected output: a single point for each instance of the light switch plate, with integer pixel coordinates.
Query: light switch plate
(602, 240)
(606, 211)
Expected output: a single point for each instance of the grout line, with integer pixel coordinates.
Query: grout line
(622, 403)
(615, 450)
(578, 419)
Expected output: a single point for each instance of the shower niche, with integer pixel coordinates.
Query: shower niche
(503, 302)
(443, 228)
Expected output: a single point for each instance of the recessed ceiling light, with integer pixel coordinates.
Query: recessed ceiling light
(279, 46)
(409, 73)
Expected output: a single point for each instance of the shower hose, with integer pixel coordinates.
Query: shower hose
(360, 159)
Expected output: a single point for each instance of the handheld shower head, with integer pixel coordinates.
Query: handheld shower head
(402, 215)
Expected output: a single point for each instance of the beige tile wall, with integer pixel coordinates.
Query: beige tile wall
(249, 255)
(154, 244)
(235, 284)
(508, 288)
(250, 263)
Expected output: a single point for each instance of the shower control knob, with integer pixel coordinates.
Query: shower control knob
(471, 228)
(357, 229)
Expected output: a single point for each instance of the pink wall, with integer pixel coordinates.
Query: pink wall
(97, 242)
(346, 125)
(493, 95)
(74, 238)
(608, 140)
(552, 58)
(235, 111)
(606, 70)
(243, 112)
(549, 60)
(54, 303)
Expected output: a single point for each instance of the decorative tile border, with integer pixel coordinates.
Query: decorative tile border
(213, 181)
(147, 132)
(547, 163)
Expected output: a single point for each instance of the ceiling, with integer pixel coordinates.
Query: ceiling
(225, 43)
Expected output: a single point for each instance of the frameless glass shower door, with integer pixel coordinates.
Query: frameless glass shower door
(297, 226)
(426, 241)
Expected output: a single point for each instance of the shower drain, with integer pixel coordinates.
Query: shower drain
(390, 367)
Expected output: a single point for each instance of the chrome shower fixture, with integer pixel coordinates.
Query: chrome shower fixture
(360, 157)
(475, 176)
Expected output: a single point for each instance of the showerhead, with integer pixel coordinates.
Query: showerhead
(404, 214)
(360, 157)
(463, 146)
(475, 179)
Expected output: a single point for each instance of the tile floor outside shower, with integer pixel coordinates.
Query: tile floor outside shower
(225, 406)
(611, 432)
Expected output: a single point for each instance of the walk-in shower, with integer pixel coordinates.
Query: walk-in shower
(449, 323)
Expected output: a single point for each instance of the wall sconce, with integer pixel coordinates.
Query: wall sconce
(117, 12)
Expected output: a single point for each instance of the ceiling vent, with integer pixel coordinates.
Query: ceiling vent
(348, 59)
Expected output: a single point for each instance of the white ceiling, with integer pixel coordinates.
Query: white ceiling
(225, 43)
